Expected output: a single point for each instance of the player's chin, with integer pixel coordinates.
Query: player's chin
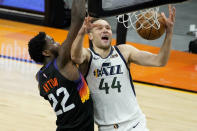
(105, 45)
(106, 42)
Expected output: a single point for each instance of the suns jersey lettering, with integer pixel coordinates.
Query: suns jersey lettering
(112, 89)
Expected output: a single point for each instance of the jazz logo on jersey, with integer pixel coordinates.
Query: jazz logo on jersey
(108, 70)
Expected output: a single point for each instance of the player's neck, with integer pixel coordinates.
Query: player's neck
(103, 52)
(47, 60)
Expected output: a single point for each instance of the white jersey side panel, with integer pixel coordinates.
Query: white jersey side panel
(112, 90)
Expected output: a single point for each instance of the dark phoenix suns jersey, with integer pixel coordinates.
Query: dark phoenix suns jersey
(70, 100)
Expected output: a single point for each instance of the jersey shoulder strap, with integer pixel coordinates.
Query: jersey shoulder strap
(120, 54)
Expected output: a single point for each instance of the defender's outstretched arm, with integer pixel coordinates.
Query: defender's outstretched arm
(77, 17)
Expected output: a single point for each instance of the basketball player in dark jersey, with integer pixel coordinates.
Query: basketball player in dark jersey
(59, 80)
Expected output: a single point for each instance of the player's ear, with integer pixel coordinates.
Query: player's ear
(90, 36)
(46, 52)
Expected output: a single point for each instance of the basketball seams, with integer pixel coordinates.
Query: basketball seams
(151, 33)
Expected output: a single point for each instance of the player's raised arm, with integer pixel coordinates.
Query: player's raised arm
(77, 17)
(166, 46)
(149, 59)
(78, 53)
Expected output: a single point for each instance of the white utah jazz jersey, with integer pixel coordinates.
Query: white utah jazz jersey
(112, 89)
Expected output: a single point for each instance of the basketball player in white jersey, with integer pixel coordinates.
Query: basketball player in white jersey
(106, 69)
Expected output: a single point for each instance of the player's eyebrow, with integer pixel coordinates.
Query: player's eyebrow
(98, 25)
(101, 25)
(108, 26)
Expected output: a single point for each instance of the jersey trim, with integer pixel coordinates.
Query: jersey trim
(78, 80)
(42, 69)
(111, 51)
(127, 69)
(45, 67)
(55, 64)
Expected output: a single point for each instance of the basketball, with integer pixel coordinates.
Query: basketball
(148, 28)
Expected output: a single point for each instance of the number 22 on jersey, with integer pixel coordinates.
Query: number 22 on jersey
(63, 101)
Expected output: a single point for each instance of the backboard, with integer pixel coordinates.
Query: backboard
(104, 8)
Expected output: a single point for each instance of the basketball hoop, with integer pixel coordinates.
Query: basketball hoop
(151, 19)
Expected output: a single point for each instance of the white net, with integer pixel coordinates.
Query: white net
(146, 18)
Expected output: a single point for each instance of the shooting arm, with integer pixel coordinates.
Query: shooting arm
(145, 58)
(160, 59)
(78, 53)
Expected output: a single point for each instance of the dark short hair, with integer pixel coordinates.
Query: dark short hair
(36, 46)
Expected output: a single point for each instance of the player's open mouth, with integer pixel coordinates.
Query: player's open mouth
(105, 38)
